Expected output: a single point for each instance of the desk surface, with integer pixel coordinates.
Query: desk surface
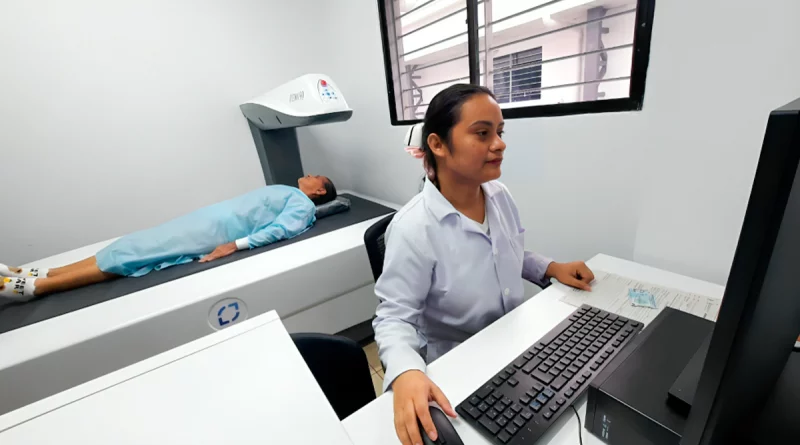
(245, 384)
(501, 343)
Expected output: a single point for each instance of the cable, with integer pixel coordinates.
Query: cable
(580, 425)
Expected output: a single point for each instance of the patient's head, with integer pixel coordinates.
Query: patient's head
(319, 188)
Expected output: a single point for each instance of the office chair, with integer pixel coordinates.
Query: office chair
(376, 245)
(341, 369)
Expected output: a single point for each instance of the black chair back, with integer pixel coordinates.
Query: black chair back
(341, 369)
(374, 240)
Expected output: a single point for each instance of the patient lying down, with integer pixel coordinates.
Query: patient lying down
(258, 218)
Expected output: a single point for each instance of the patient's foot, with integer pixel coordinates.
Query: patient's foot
(19, 272)
(18, 289)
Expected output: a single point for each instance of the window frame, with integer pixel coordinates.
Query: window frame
(643, 31)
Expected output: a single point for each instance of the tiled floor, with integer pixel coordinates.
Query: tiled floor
(375, 366)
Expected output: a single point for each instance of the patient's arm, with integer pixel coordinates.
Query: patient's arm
(295, 219)
(220, 252)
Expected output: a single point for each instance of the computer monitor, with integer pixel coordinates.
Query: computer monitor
(760, 316)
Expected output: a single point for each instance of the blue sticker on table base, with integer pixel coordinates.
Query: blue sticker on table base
(227, 312)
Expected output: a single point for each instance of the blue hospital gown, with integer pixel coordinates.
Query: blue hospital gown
(264, 216)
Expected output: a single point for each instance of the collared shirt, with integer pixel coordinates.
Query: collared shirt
(444, 279)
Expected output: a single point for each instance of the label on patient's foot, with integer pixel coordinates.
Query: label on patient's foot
(227, 312)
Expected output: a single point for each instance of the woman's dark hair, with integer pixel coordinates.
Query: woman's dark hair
(330, 194)
(443, 114)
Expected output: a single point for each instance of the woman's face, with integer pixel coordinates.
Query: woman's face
(475, 154)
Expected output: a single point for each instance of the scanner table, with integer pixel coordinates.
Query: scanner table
(461, 371)
(246, 385)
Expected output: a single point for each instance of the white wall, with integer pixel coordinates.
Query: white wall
(118, 115)
(666, 186)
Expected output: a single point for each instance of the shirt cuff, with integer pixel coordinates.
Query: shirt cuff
(242, 243)
(534, 268)
(401, 362)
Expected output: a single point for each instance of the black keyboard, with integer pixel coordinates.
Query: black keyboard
(517, 405)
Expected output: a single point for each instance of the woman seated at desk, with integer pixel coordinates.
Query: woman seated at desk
(455, 254)
(255, 219)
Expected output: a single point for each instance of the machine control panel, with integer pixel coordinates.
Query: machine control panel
(326, 91)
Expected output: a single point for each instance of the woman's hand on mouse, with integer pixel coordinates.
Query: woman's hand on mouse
(412, 392)
(576, 274)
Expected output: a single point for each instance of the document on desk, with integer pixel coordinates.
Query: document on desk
(613, 293)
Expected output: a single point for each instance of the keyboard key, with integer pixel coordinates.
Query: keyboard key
(483, 407)
(526, 414)
(594, 311)
(543, 368)
(506, 401)
(509, 414)
(527, 356)
(548, 415)
(549, 350)
(587, 374)
(549, 393)
(569, 393)
(580, 362)
(497, 381)
(519, 422)
(561, 352)
(561, 402)
(490, 400)
(570, 344)
(575, 386)
(598, 345)
(538, 387)
(487, 423)
(535, 406)
(511, 370)
(474, 412)
(605, 354)
(573, 369)
(635, 324)
(512, 382)
(525, 400)
(554, 407)
(557, 342)
(590, 338)
(540, 346)
(511, 429)
(600, 361)
(580, 380)
(554, 372)
(516, 407)
(503, 437)
(610, 351)
(520, 362)
(541, 398)
(485, 391)
(549, 363)
(499, 407)
(593, 350)
(612, 317)
(475, 401)
(542, 376)
(492, 414)
(502, 421)
(566, 361)
(567, 375)
(531, 365)
(558, 383)
(617, 343)
(497, 394)
(560, 367)
(542, 355)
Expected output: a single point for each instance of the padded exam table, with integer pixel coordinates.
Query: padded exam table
(318, 281)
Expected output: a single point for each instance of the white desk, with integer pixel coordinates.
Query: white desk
(462, 370)
(245, 384)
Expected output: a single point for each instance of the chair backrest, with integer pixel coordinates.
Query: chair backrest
(375, 241)
(341, 369)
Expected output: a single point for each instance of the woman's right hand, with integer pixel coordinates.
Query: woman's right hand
(412, 392)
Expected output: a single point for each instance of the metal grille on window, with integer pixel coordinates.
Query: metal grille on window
(532, 52)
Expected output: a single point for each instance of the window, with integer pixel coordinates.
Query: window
(540, 57)
(518, 77)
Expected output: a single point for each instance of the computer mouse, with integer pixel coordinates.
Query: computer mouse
(447, 433)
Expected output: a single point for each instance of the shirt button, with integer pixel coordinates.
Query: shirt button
(506, 291)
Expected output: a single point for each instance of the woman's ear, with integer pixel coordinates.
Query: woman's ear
(436, 144)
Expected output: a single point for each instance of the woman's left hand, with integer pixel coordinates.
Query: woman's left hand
(220, 252)
(576, 274)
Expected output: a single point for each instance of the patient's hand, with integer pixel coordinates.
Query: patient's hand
(220, 252)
